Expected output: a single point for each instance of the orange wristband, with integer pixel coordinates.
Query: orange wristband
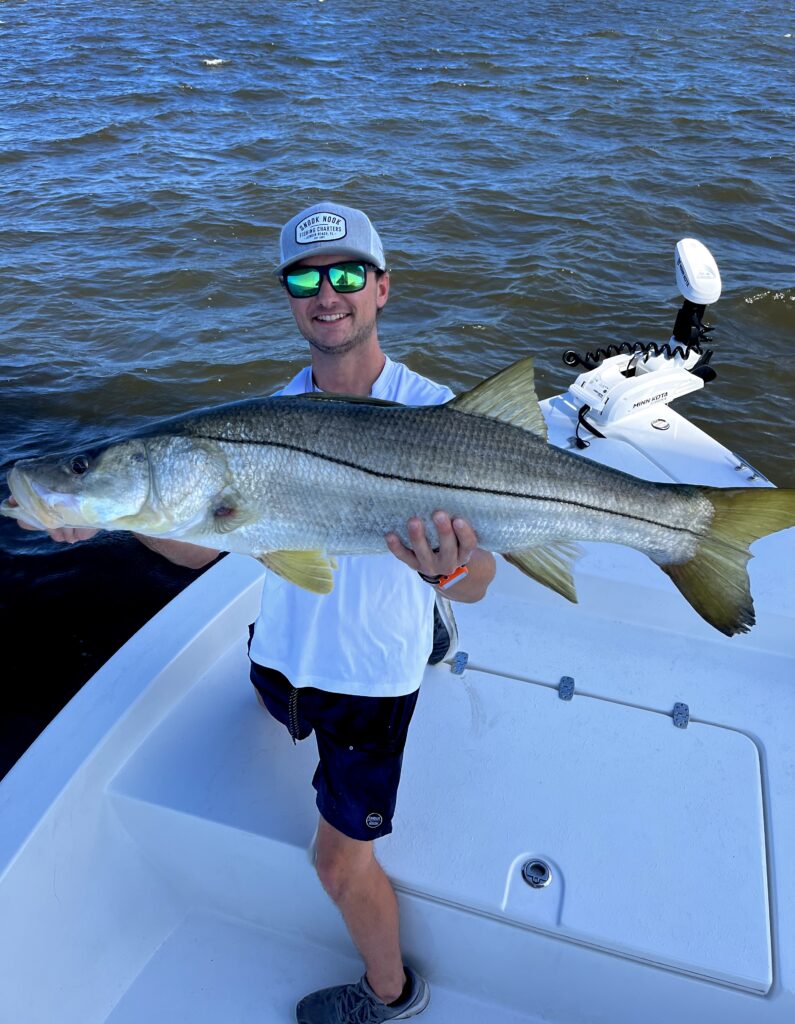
(443, 582)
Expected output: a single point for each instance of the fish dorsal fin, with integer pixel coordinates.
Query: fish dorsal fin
(329, 396)
(509, 395)
(311, 570)
(550, 565)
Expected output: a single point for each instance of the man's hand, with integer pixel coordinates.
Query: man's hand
(457, 541)
(458, 545)
(65, 534)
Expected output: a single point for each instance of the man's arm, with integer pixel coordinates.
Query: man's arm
(180, 552)
(458, 545)
(191, 556)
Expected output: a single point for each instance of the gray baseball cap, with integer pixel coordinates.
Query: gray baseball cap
(332, 228)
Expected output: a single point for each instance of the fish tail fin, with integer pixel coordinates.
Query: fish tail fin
(715, 580)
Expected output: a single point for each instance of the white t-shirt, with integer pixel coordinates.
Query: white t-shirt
(373, 633)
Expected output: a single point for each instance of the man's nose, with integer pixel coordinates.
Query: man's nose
(326, 293)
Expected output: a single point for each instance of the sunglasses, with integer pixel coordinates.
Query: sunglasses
(304, 282)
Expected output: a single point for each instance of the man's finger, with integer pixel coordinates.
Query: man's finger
(399, 550)
(449, 556)
(72, 534)
(429, 561)
(467, 538)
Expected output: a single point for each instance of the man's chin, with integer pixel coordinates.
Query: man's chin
(338, 348)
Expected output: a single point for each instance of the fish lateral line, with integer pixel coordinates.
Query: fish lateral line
(381, 475)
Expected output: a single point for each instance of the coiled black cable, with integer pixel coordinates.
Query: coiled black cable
(592, 359)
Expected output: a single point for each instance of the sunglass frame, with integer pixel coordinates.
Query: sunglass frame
(324, 271)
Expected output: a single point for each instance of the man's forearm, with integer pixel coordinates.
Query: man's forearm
(192, 556)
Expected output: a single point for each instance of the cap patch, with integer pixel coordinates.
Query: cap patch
(320, 227)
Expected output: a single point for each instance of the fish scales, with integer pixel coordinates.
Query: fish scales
(359, 470)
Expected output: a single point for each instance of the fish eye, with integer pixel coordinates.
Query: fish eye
(79, 465)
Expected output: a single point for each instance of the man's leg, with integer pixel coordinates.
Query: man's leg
(354, 879)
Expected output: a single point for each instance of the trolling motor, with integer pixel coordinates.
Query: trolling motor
(698, 278)
(627, 379)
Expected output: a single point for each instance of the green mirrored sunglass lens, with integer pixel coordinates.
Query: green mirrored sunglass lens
(347, 277)
(303, 282)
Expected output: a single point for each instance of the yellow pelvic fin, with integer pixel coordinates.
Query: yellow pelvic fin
(311, 570)
(509, 395)
(715, 580)
(549, 565)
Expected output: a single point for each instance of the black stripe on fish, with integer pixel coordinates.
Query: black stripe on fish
(449, 486)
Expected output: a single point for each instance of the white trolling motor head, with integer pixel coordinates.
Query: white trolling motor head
(697, 274)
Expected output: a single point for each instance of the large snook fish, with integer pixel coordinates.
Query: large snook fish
(296, 480)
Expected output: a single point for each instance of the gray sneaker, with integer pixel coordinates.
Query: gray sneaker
(358, 1004)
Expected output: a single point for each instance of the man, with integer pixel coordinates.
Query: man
(348, 665)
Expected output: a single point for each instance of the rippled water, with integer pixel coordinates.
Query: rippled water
(529, 166)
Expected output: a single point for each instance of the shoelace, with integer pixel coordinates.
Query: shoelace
(355, 1006)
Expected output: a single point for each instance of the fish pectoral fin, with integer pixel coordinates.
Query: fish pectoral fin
(311, 570)
(509, 396)
(715, 580)
(229, 512)
(549, 564)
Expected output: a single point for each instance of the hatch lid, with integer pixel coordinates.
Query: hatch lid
(654, 835)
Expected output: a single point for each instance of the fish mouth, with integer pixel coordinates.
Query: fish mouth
(49, 508)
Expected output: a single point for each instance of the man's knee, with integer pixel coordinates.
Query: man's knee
(341, 862)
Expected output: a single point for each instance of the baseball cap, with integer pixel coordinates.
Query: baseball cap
(330, 227)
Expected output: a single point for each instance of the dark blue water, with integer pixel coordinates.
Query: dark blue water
(529, 166)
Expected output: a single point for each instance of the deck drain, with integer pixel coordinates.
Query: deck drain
(537, 874)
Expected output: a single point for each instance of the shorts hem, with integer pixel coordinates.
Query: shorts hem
(344, 827)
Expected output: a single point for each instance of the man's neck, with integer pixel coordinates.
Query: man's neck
(351, 374)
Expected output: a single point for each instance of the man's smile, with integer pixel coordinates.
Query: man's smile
(328, 318)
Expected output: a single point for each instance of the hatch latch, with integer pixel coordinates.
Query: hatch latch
(460, 660)
(566, 688)
(681, 715)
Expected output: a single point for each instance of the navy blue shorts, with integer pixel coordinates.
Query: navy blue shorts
(360, 741)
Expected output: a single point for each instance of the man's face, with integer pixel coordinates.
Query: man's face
(336, 323)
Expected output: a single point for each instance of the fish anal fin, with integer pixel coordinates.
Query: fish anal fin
(509, 396)
(715, 580)
(311, 570)
(550, 565)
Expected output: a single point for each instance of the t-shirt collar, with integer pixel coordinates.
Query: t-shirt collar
(380, 386)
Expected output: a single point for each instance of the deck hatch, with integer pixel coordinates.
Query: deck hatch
(626, 811)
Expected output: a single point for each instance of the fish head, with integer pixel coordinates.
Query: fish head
(154, 485)
(83, 488)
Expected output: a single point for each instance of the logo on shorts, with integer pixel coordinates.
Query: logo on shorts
(374, 820)
(320, 227)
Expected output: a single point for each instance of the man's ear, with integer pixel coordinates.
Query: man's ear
(382, 289)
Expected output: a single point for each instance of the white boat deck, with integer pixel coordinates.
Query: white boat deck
(182, 845)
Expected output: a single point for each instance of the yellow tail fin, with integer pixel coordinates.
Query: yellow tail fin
(715, 581)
